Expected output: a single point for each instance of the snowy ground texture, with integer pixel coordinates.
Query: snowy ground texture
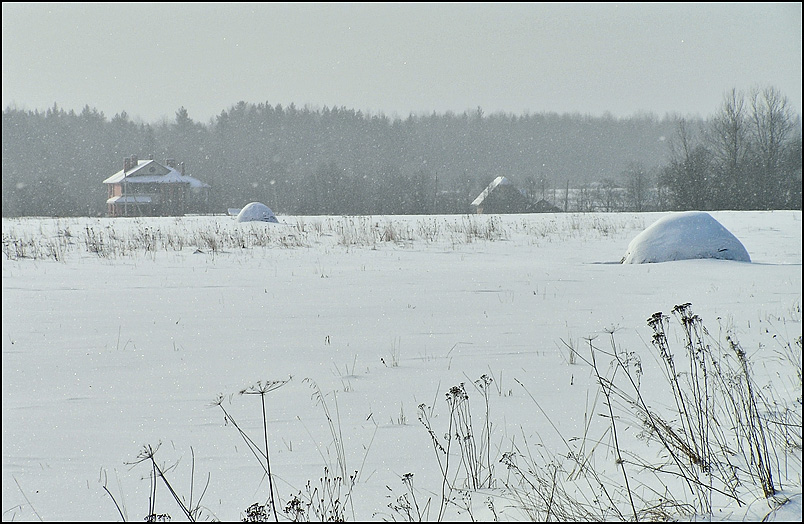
(125, 333)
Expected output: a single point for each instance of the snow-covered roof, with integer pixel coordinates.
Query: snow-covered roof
(685, 236)
(499, 181)
(136, 175)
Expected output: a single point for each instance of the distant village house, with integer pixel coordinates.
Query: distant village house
(151, 188)
(502, 196)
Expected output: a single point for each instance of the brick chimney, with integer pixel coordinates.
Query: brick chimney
(126, 164)
(134, 161)
(182, 168)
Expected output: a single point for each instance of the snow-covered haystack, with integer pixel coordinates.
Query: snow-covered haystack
(256, 212)
(684, 236)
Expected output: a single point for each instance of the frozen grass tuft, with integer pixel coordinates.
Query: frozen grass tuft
(117, 238)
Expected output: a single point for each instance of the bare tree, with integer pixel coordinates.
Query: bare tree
(688, 176)
(584, 198)
(607, 194)
(792, 168)
(637, 186)
(771, 131)
(729, 142)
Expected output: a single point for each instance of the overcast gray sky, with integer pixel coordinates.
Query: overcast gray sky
(149, 59)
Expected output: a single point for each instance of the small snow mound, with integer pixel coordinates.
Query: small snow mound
(256, 212)
(685, 236)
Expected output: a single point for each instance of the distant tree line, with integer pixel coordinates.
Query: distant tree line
(747, 156)
(342, 161)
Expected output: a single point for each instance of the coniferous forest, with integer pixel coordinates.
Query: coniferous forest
(336, 160)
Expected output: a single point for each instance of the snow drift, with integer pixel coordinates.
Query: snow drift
(684, 236)
(256, 212)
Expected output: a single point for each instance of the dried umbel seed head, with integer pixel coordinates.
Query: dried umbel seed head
(457, 393)
(261, 388)
(655, 319)
(484, 381)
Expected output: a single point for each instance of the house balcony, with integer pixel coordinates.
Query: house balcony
(141, 199)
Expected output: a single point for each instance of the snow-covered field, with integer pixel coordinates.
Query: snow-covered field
(125, 333)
